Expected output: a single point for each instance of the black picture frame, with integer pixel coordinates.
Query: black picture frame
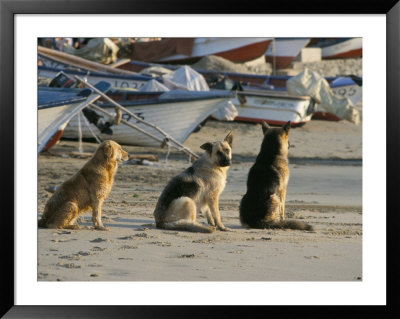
(8, 10)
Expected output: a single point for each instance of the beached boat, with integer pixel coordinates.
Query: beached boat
(350, 87)
(276, 108)
(343, 86)
(54, 58)
(56, 106)
(275, 82)
(116, 80)
(233, 49)
(282, 51)
(340, 48)
(178, 113)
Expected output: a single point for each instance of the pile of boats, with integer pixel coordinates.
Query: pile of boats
(152, 104)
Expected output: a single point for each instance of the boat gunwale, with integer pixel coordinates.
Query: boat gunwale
(272, 94)
(155, 101)
(226, 73)
(99, 74)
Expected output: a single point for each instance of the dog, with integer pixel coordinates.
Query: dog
(197, 189)
(263, 205)
(85, 191)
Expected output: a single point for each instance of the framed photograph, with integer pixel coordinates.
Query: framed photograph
(341, 172)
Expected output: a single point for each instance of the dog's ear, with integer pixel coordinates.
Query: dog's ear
(109, 150)
(265, 127)
(286, 127)
(207, 146)
(229, 138)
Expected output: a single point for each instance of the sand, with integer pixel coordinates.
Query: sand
(324, 190)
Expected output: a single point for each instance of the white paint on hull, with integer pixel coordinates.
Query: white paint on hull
(178, 119)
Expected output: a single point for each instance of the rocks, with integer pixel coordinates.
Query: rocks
(216, 63)
(335, 67)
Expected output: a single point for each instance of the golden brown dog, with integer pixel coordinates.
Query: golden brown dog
(86, 190)
(196, 189)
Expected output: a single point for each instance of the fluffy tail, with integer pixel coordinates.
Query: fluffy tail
(185, 225)
(282, 224)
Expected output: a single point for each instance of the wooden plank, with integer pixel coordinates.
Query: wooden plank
(148, 157)
(80, 62)
(119, 63)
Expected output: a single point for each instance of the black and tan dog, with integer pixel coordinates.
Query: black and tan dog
(84, 191)
(263, 205)
(197, 189)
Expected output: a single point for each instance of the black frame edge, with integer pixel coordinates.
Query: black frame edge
(392, 153)
(7, 160)
(7, 11)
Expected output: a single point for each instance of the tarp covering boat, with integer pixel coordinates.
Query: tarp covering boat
(313, 84)
(101, 50)
(185, 78)
(188, 79)
(153, 86)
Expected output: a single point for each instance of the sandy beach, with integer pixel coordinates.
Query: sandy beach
(325, 189)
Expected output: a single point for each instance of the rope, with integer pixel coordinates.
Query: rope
(166, 156)
(98, 140)
(80, 148)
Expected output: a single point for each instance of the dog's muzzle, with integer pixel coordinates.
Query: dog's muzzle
(225, 162)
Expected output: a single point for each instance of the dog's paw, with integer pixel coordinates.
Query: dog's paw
(101, 228)
(211, 222)
(224, 228)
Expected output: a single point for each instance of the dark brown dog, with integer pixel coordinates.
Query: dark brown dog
(263, 205)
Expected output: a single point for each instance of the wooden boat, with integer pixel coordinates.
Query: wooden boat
(233, 49)
(56, 106)
(178, 113)
(276, 108)
(340, 48)
(282, 51)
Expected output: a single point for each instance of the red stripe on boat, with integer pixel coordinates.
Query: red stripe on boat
(281, 62)
(344, 55)
(325, 116)
(241, 54)
(54, 139)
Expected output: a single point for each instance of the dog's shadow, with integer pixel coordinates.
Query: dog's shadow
(135, 224)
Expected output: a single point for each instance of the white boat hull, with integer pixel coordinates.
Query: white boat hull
(52, 120)
(283, 51)
(273, 110)
(209, 46)
(178, 119)
(353, 92)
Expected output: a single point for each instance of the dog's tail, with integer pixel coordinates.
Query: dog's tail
(283, 224)
(185, 225)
